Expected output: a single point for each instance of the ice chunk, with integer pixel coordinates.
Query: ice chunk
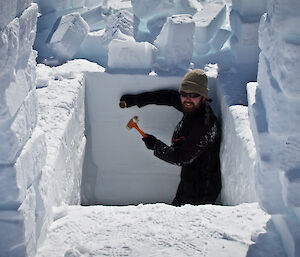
(128, 54)
(249, 8)
(16, 130)
(68, 33)
(244, 29)
(208, 20)
(16, 178)
(8, 11)
(175, 42)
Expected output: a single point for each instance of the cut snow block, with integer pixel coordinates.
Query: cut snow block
(244, 53)
(93, 47)
(249, 8)
(289, 229)
(291, 187)
(16, 131)
(175, 42)
(28, 22)
(237, 164)
(246, 30)
(131, 55)
(67, 34)
(8, 11)
(9, 45)
(16, 178)
(208, 21)
(18, 228)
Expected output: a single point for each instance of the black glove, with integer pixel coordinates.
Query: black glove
(127, 101)
(150, 141)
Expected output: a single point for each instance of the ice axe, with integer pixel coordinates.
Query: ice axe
(132, 123)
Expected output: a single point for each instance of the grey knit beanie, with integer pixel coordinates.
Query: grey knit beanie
(195, 81)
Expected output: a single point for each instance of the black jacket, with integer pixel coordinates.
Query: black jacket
(195, 147)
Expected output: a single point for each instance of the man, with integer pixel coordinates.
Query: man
(195, 142)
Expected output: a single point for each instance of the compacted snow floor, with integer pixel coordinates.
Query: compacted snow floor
(161, 230)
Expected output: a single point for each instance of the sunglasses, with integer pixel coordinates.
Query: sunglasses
(190, 95)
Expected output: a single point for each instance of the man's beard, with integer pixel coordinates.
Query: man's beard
(189, 107)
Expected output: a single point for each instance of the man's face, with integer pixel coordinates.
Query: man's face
(191, 101)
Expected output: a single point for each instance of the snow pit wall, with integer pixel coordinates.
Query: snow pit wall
(120, 170)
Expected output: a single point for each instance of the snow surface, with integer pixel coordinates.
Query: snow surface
(161, 230)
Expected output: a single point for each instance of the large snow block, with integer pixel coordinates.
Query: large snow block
(208, 20)
(62, 120)
(8, 11)
(128, 54)
(16, 178)
(94, 47)
(17, 129)
(175, 42)
(246, 30)
(249, 8)
(67, 34)
(238, 167)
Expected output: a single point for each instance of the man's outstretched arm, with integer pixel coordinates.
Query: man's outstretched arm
(159, 97)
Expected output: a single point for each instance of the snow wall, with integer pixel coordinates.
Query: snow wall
(37, 141)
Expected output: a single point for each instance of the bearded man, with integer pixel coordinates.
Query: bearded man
(195, 142)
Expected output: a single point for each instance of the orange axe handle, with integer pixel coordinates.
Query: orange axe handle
(139, 130)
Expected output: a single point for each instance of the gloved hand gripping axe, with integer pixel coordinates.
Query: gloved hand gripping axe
(132, 123)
